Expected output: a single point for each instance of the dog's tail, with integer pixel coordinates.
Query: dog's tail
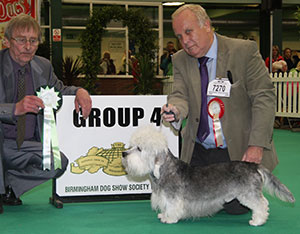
(274, 187)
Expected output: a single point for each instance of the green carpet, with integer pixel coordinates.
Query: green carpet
(36, 215)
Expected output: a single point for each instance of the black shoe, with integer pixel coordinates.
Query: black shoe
(10, 199)
(235, 208)
(1, 204)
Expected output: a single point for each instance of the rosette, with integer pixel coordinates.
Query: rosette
(52, 102)
(215, 109)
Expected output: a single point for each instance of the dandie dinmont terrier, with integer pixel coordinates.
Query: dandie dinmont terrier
(180, 191)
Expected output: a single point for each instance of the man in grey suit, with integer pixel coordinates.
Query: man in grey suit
(21, 165)
(241, 122)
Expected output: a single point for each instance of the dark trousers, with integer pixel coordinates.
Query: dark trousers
(23, 167)
(203, 157)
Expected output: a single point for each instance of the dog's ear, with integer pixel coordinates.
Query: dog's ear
(160, 159)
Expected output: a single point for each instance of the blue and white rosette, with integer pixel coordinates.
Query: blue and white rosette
(52, 101)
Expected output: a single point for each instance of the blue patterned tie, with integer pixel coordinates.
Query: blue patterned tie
(203, 129)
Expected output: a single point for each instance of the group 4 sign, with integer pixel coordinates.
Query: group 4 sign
(94, 145)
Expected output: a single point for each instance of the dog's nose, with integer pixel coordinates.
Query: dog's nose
(124, 154)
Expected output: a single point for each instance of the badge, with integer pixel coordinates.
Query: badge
(219, 88)
(215, 109)
(52, 101)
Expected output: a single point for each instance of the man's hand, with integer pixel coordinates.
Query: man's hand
(29, 104)
(84, 101)
(166, 112)
(253, 154)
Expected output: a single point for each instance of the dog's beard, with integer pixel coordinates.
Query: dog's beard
(135, 165)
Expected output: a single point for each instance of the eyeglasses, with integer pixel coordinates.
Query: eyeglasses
(23, 41)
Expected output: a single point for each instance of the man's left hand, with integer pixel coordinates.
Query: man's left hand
(253, 154)
(84, 101)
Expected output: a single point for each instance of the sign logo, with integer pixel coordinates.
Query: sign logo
(110, 160)
(11, 8)
(56, 34)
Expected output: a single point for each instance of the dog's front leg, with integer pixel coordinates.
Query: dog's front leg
(172, 210)
(169, 209)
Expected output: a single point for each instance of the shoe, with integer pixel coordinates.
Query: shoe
(1, 204)
(235, 208)
(10, 199)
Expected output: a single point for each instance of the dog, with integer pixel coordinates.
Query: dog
(180, 191)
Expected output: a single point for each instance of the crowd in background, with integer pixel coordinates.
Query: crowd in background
(288, 62)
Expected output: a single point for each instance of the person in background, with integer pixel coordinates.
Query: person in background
(107, 64)
(296, 59)
(21, 70)
(280, 66)
(133, 66)
(166, 59)
(287, 55)
(246, 114)
(275, 57)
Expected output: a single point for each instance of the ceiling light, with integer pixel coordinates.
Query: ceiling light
(173, 3)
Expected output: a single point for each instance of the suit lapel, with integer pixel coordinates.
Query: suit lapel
(36, 72)
(195, 81)
(222, 68)
(221, 58)
(8, 78)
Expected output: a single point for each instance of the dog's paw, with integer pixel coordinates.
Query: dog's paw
(259, 218)
(165, 219)
(257, 222)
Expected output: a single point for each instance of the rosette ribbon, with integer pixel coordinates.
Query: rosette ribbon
(216, 111)
(51, 101)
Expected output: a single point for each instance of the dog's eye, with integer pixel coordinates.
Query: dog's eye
(139, 149)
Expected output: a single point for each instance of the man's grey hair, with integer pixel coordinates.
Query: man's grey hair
(198, 10)
(22, 22)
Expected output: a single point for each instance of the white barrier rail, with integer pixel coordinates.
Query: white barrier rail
(287, 92)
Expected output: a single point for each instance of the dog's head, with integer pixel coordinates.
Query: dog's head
(148, 148)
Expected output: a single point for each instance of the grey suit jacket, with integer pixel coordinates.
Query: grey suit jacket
(250, 109)
(42, 74)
